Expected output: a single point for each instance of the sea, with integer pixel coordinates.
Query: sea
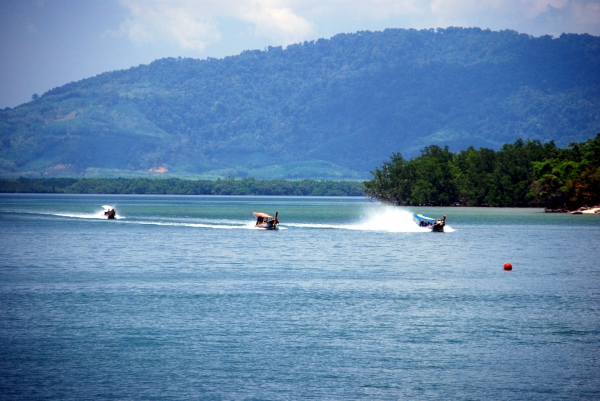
(182, 298)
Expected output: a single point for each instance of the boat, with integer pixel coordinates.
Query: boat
(109, 212)
(436, 225)
(265, 221)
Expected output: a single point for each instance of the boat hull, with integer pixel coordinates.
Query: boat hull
(437, 229)
(267, 226)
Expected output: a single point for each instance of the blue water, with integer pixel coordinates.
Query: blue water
(181, 298)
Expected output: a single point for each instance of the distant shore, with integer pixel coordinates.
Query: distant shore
(176, 186)
(228, 186)
(581, 210)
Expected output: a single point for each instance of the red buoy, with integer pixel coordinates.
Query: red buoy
(507, 266)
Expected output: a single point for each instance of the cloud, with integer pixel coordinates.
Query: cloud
(195, 24)
(169, 21)
(587, 13)
(364, 9)
(273, 19)
(501, 9)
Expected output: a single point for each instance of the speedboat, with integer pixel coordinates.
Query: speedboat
(436, 225)
(265, 221)
(109, 212)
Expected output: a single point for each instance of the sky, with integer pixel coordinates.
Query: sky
(48, 43)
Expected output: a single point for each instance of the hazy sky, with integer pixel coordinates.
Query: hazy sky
(48, 43)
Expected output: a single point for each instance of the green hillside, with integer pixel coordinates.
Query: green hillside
(324, 109)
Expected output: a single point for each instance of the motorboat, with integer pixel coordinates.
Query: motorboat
(265, 221)
(435, 225)
(109, 212)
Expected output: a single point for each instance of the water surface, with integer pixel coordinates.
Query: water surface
(181, 297)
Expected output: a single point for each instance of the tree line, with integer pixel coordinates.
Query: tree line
(524, 173)
(176, 186)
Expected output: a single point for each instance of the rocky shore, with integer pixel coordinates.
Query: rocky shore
(581, 210)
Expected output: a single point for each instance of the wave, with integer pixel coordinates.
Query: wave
(375, 218)
(383, 218)
(241, 226)
(392, 219)
(89, 216)
(98, 215)
(320, 226)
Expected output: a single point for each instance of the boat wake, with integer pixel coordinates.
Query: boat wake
(381, 218)
(374, 218)
(98, 215)
(226, 225)
(390, 219)
(88, 216)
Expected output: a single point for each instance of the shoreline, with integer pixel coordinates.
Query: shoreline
(581, 210)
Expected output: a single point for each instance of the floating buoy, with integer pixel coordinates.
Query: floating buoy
(507, 266)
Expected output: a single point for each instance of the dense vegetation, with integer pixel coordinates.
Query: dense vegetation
(325, 108)
(525, 173)
(174, 186)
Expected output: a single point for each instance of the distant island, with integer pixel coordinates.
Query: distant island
(330, 108)
(522, 174)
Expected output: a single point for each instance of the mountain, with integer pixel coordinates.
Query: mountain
(325, 108)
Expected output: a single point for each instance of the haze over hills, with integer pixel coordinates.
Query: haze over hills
(329, 108)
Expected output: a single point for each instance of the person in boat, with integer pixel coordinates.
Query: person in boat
(439, 224)
(110, 214)
(274, 222)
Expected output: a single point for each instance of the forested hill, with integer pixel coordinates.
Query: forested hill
(326, 108)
